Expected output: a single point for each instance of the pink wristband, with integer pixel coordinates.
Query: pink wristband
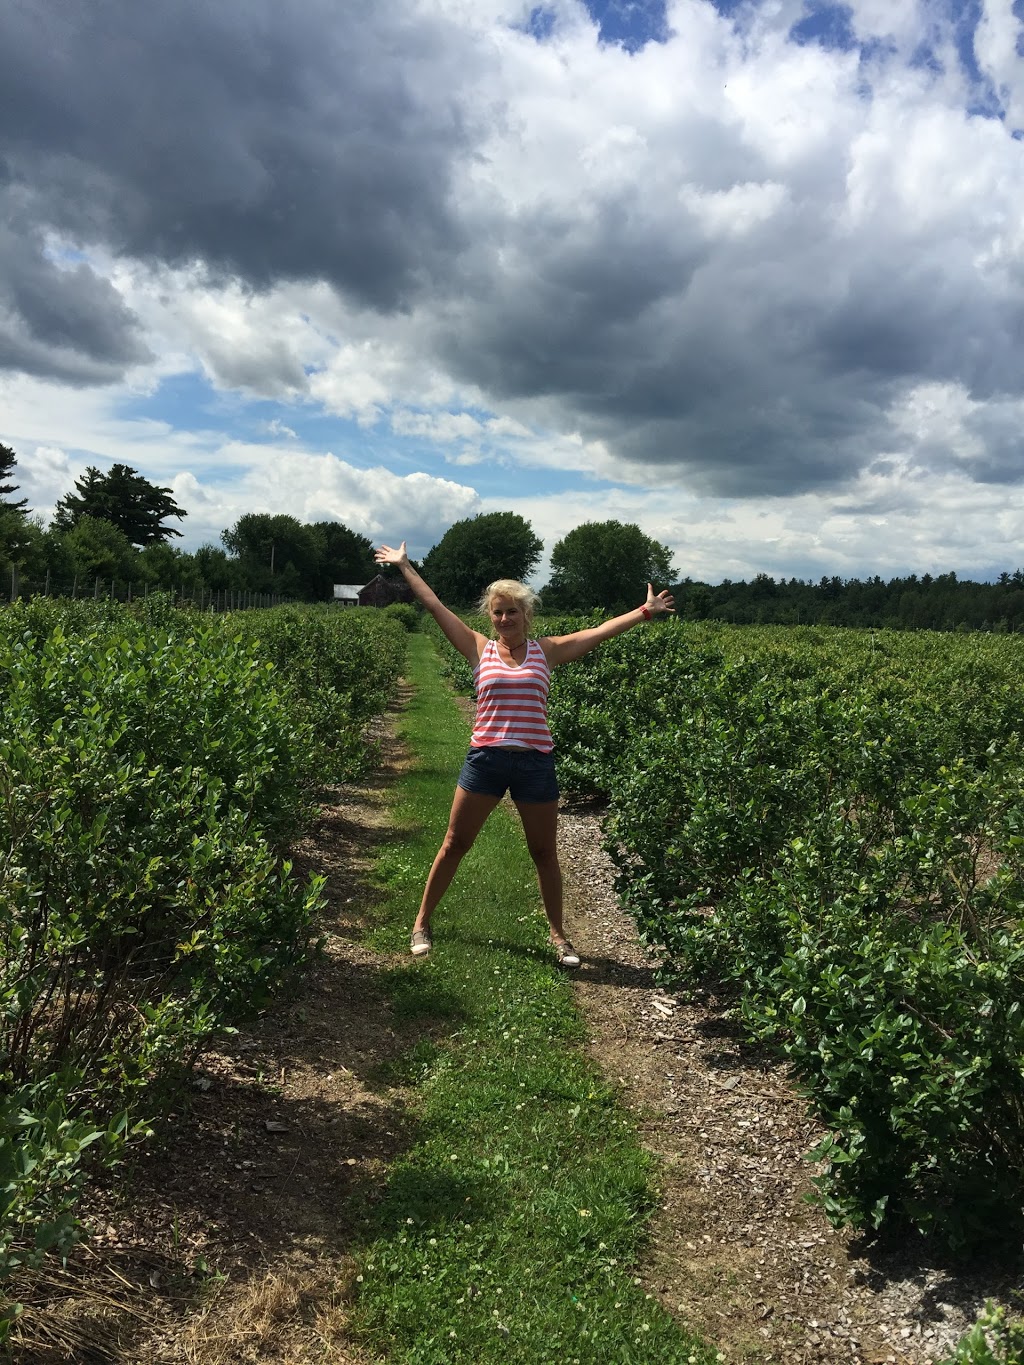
(647, 613)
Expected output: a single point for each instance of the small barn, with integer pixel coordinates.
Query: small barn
(379, 592)
(347, 594)
(382, 591)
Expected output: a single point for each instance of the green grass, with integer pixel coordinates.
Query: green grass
(512, 1229)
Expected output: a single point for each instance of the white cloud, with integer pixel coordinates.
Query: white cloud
(901, 23)
(44, 478)
(735, 211)
(997, 47)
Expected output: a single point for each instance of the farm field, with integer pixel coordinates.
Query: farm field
(297, 1151)
(290, 1138)
(827, 824)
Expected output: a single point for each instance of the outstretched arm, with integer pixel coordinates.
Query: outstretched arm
(466, 641)
(562, 649)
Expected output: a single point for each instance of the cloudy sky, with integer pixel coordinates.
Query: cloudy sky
(747, 272)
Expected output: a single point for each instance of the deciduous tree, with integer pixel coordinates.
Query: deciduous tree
(275, 553)
(343, 556)
(606, 564)
(99, 549)
(476, 551)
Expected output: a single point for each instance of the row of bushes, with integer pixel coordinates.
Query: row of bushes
(831, 824)
(155, 766)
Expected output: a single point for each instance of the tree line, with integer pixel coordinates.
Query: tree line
(115, 528)
(943, 602)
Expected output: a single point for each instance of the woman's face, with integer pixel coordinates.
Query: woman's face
(507, 618)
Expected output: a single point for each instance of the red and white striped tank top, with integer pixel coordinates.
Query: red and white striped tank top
(512, 703)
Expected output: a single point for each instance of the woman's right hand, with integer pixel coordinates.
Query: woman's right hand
(386, 555)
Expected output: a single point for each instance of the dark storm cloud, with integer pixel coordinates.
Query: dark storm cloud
(557, 314)
(900, 316)
(997, 447)
(266, 140)
(678, 352)
(59, 318)
(764, 361)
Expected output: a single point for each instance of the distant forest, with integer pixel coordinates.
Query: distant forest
(111, 536)
(913, 603)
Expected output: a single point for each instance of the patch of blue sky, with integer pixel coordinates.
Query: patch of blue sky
(925, 57)
(63, 255)
(730, 7)
(313, 430)
(487, 460)
(540, 23)
(189, 405)
(188, 402)
(874, 53)
(630, 24)
(965, 16)
(829, 26)
(877, 49)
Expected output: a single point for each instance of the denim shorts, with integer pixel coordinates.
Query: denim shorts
(526, 774)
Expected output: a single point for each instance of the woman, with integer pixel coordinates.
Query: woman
(511, 747)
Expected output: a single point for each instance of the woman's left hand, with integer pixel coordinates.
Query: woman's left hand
(659, 602)
(386, 555)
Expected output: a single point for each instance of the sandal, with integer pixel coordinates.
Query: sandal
(566, 954)
(421, 943)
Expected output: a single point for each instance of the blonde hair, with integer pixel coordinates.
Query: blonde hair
(525, 598)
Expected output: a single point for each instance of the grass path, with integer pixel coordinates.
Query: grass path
(510, 1230)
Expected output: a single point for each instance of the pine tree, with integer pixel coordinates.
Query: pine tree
(123, 497)
(8, 460)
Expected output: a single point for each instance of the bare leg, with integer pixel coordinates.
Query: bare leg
(540, 825)
(469, 812)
